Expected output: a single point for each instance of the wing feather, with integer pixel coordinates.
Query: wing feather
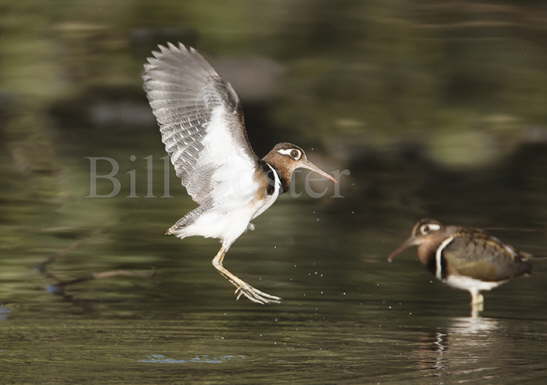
(200, 123)
(479, 255)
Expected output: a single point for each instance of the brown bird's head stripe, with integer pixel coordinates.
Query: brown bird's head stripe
(285, 158)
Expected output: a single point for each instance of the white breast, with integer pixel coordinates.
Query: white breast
(230, 218)
(467, 283)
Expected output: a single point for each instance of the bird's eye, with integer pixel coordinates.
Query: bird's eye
(295, 154)
(429, 228)
(424, 229)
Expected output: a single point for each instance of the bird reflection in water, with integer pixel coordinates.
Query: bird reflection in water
(463, 348)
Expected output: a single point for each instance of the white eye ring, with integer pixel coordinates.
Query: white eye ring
(292, 152)
(429, 228)
(296, 154)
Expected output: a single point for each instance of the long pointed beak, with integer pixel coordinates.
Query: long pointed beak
(405, 245)
(310, 166)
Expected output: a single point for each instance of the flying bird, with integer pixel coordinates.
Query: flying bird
(203, 129)
(465, 258)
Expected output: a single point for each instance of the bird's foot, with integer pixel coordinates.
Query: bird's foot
(255, 295)
(251, 227)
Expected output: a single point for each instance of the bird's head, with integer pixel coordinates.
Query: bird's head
(425, 230)
(287, 157)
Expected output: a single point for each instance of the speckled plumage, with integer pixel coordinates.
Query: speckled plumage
(478, 255)
(465, 258)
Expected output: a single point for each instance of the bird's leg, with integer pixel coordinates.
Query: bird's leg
(242, 287)
(477, 302)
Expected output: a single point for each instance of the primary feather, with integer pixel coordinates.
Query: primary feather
(201, 124)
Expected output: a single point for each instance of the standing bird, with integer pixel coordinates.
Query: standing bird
(465, 258)
(202, 127)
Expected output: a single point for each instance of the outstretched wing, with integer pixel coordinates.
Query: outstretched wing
(478, 255)
(201, 124)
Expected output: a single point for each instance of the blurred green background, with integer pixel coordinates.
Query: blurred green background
(437, 108)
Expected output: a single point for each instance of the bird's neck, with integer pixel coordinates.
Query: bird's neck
(269, 169)
(283, 174)
(428, 250)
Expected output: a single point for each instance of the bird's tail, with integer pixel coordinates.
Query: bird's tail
(178, 228)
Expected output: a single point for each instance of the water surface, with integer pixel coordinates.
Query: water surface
(437, 110)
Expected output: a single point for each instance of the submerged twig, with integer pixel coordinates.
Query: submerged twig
(104, 275)
(42, 267)
(58, 285)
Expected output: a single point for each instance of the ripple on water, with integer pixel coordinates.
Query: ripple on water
(4, 312)
(203, 359)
